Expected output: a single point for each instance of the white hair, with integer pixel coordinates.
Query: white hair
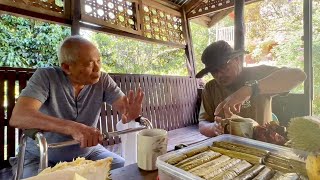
(68, 50)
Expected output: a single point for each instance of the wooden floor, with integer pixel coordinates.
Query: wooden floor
(187, 135)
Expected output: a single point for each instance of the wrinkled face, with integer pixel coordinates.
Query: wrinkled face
(227, 73)
(86, 69)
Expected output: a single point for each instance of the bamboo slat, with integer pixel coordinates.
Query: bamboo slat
(11, 102)
(2, 149)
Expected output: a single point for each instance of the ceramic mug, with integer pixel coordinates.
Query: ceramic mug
(240, 126)
(151, 144)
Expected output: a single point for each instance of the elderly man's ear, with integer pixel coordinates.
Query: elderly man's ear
(66, 68)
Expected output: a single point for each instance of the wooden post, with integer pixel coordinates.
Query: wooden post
(239, 29)
(76, 16)
(307, 44)
(189, 48)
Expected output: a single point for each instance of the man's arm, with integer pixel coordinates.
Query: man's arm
(26, 115)
(130, 107)
(280, 81)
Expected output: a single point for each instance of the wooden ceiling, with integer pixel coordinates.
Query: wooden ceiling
(204, 12)
(180, 2)
(160, 21)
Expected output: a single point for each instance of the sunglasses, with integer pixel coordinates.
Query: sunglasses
(223, 68)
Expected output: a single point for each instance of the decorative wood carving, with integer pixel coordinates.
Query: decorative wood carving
(118, 14)
(211, 6)
(51, 7)
(160, 23)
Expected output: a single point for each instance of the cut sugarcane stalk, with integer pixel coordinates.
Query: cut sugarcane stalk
(233, 172)
(198, 156)
(241, 148)
(286, 168)
(265, 174)
(248, 157)
(210, 155)
(216, 170)
(196, 151)
(292, 162)
(287, 164)
(250, 173)
(209, 164)
(177, 159)
(277, 175)
(286, 176)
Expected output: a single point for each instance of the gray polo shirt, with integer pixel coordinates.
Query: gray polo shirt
(52, 87)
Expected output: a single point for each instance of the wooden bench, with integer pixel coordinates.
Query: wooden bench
(171, 103)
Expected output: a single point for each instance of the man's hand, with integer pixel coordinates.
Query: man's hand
(217, 127)
(211, 129)
(232, 104)
(132, 106)
(87, 136)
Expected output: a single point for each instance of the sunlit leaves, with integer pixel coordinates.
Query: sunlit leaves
(29, 43)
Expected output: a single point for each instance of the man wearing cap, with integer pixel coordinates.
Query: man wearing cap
(244, 91)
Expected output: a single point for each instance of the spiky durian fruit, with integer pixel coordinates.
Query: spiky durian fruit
(304, 134)
(80, 169)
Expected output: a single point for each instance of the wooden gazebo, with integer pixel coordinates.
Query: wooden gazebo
(172, 101)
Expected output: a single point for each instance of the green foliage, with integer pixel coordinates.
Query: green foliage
(124, 55)
(200, 40)
(29, 43)
(282, 21)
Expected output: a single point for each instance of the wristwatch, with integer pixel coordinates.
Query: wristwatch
(254, 84)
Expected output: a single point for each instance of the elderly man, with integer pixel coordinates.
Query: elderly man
(65, 103)
(244, 91)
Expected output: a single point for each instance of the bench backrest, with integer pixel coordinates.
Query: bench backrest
(170, 102)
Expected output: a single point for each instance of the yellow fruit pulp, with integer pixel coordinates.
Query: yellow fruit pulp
(313, 166)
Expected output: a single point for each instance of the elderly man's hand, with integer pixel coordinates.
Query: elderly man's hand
(232, 104)
(132, 106)
(87, 136)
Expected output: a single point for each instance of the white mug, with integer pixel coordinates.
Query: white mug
(151, 144)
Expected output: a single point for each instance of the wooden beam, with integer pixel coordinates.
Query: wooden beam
(33, 14)
(308, 65)
(76, 17)
(205, 18)
(218, 16)
(189, 48)
(201, 21)
(67, 9)
(128, 35)
(40, 10)
(192, 4)
(239, 31)
(239, 25)
(101, 22)
(168, 4)
(161, 7)
(215, 9)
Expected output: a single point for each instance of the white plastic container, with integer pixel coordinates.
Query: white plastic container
(170, 172)
(128, 142)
